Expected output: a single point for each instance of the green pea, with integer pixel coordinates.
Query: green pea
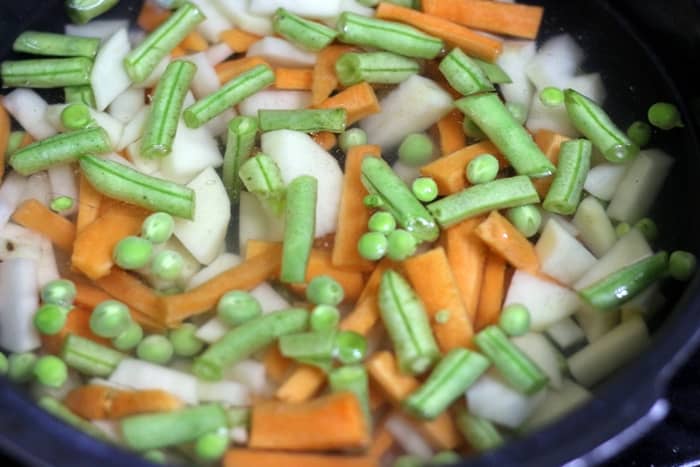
(51, 371)
(527, 219)
(324, 318)
(129, 338)
(648, 228)
(167, 265)
(665, 116)
(211, 446)
(515, 320)
(518, 111)
(155, 349)
(109, 319)
(324, 290)
(416, 149)
(681, 265)
(3, 364)
(372, 245)
(482, 169)
(622, 229)
(552, 96)
(401, 245)
(237, 307)
(76, 116)
(640, 133)
(382, 222)
(49, 319)
(408, 461)
(61, 204)
(133, 252)
(352, 137)
(350, 347)
(425, 189)
(373, 201)
(158, 227)
(20, 367)
(59, 292)
(185, 342)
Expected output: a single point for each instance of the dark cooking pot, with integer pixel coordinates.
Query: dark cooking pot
(629, 403)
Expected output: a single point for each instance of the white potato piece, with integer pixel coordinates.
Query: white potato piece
(222, 263)
(603, 179)
(279, 52)
(590, 85)
(29, 109)
(155, 75)
(237, 11)
(596, 324)
(127, 105)
(147, 165)
(108, 77)
(595, 228)
(543, 354)
(133, 130)
(555, 63)
(217, 53)
(205, 80)
(566, 333)
(553, 118)
(352, 6)
(256, 223)
(408, 437)
(556, 405)
(139, 374)
(308, 8)
(561, 255)
(181, 165)
(515, 56)
(228, 392)
(19, 299)
(98, 28)
(11, 190)
(272, 99)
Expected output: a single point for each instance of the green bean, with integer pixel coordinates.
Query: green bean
(60, 149)
(120, 182)
(407, 323)
(464, 74)
(80, 95)
(374, 67)
(387, 35)
(63, 413)
(142, 60)
(153, 431)
(307, 34)
(82, 11)
(566, 190)
(517, 369)
(493, 72)
(457, 370)
(353, 379)
(242, 86)
(398, 199)
(591, 120)
(262, 176)
(619, 287)
(46, 72)
(89, 357)
(309, 346)
(56, 45)
(481, 434)
(300, 223)
(515, 143)
(239, 145)
(306, 120)
(246, 339)
(498, 194)
(164, 116)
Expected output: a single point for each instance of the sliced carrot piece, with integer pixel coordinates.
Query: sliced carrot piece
(229, 69)
(276, 365)
(467, 255)
(89, 201)
(358, 100)
(194, 42)
(5, 128)
(381, 444)
(255, 458)
(78, 323)
(151, 16)
(503, 238)
(295, 79)
(325, 139)
(132, 292)
(492, 291)
(125, 403)
(549, 142)
(238, 39)
(325, 80)
(90, 401)
(37, 217)
(451, 133)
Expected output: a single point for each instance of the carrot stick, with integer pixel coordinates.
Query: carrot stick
(359, 100)
(89, 201)
(94, 245)
(194, 42)
(296, 79)
(97, 402)
(509, 19)
(363, 317)
(78, 323)
(549, 142)
(276, 365)
(449, 172)
(254, 458)
(325, 80)
(239, 40)
(452, 137)
(372, 286)
(229, 69)
(503, 238)
(472, 43)
(335, 421)
(435, 284)
(492, 291)
(376, 398)
(382, 442)
(90, 401)
(354, 215)
(5, 128)
(466, 254)
(245, 276)
(325, 139)
(37, 217)
(132, 292)
(151, 16)
(301, 385)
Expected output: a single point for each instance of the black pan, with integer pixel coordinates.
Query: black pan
(625, 406)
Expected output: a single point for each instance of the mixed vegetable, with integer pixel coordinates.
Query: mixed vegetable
(400, 311)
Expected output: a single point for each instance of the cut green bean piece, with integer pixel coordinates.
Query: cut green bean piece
(89, 357)
(407, 323)
(80, 95)
(82, 11)
(14, 142)
(60, 149)
(494, 72)
(306, 120)
(46, 72)
(374, 67)
(457, 370)
(153, 431)
(566, 190)
(387, 35)
(246, 339)
(141, 61)
(131, 186)
(233, 92)
(63, 413)
(591, 120)
(398, 199)
(481, 434)
(300, 224)
(517, 369)
(317, 345)
(56, 45)
(239, 145)
(515, 143)
(619, 287)
(307, 34)
(164, 116)
(464, 74)
(499, 194)
(353, 379)
(76, 116)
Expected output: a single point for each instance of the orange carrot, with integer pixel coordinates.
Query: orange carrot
(37, 217)
(335, 421)
(151, 16)
(359, 100)
(296, 79)
(382, 442)
(301, 385)
(472, 43)
(510, 19)
(78, 323)
(89, 201)
(254, 458)
(90, 401)
(354, 215)
(132, 292)
(97, 402)
(194, 42)
(229, 69)
(503, 238)
(94, 245)
(492, 291)
(178, 52)
(238, 39)
(276, 364)
(245, 276)
(372, 286)
(376, 398)
(449, 172)
(549, 142)
(363, 317)
(325, 80)
(466, 254)
(452, 137)
(5, 128)
(325, 139)
(436, 286)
